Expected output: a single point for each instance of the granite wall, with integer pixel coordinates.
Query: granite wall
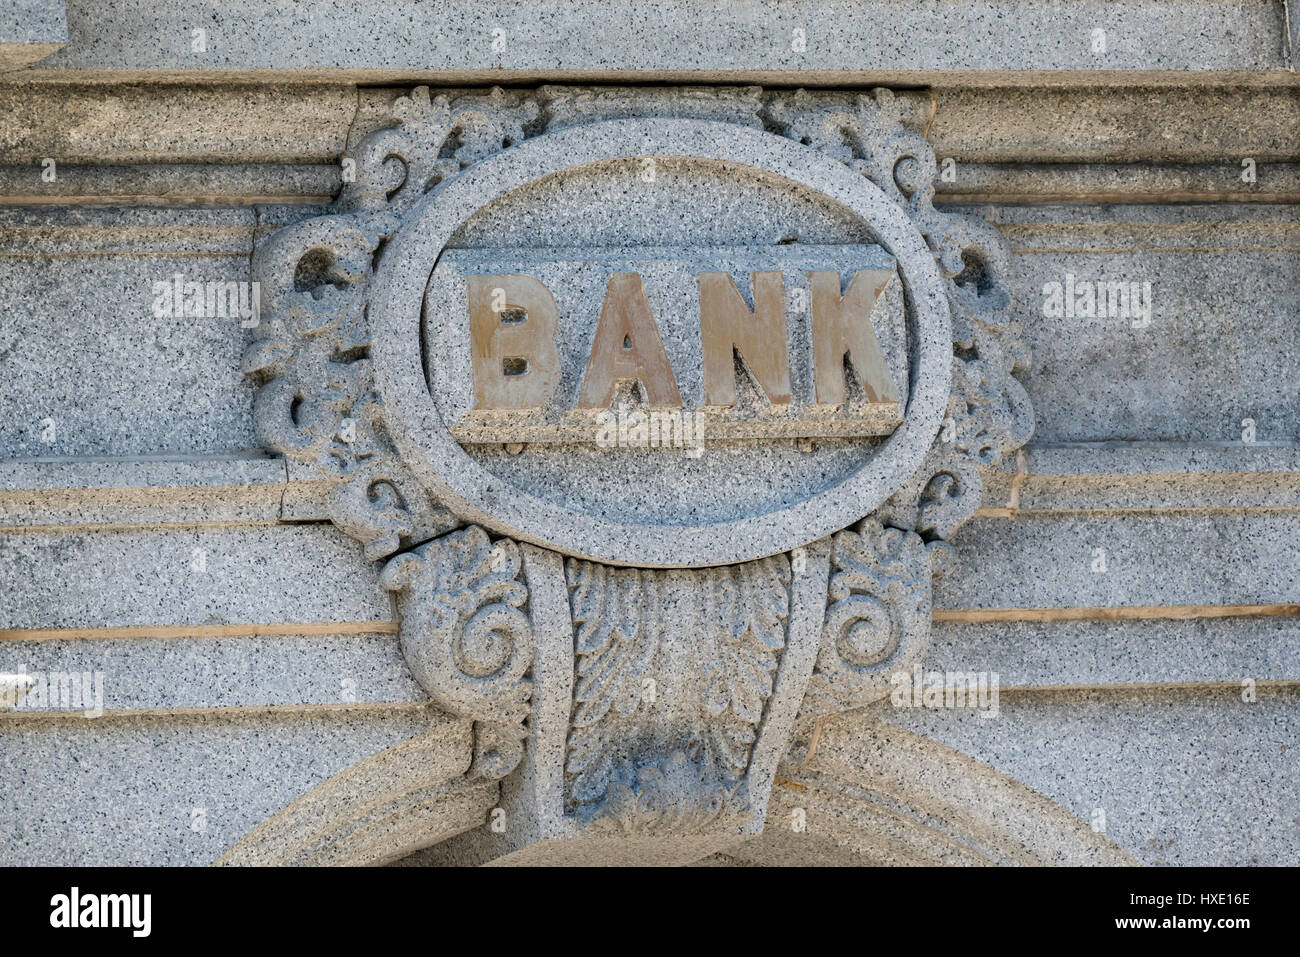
(1132, 576)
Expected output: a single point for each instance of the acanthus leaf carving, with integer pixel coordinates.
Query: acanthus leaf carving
(688, 656)
(742, 634)
(615, 614)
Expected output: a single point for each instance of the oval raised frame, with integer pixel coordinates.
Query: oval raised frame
(476, 494)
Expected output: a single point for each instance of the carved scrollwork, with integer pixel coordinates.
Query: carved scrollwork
(435, 138)
(466, 636)
(877, 614)
(310, 357)
(675, 671)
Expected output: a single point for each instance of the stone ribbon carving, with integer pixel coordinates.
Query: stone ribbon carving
(674, 671)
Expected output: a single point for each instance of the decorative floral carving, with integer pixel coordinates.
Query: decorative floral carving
(435, 138)
(309, 358)
(729, 626)
(712, 638)
(466, 637)
(616, 617)
(745, 610)
(989, 414)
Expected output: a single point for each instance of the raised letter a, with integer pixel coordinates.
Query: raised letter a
(627, 346)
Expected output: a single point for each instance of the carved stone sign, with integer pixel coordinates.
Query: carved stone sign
(655, 508)
(740, 343)
(524, 499)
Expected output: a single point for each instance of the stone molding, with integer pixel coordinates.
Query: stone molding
(686, 41)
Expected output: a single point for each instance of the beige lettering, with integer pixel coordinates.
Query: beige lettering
(841, 325)
(729, 326)
(512, 321)
(626, 346)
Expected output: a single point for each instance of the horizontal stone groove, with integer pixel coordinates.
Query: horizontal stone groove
(231, 711)
(8, 525)
(1064, 511)
(1072, 696)
(152, 472)
(1115, 456)
(1258, 222)
(1075, 80)
(1134, 227)
(168, 200)
(205, 631)
(1039, 180)
(1047, 182)
(196, 244)
(233, 140)
(1159, 687)
(1057, 458)
(1116, 613)
(1047, 196)
(284, 710)
(1007, 193)
(218, 183)
(956, 615)
(1124, 250)
(232, 507)
(1127, 238)
(413, 705)
(304, 675)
